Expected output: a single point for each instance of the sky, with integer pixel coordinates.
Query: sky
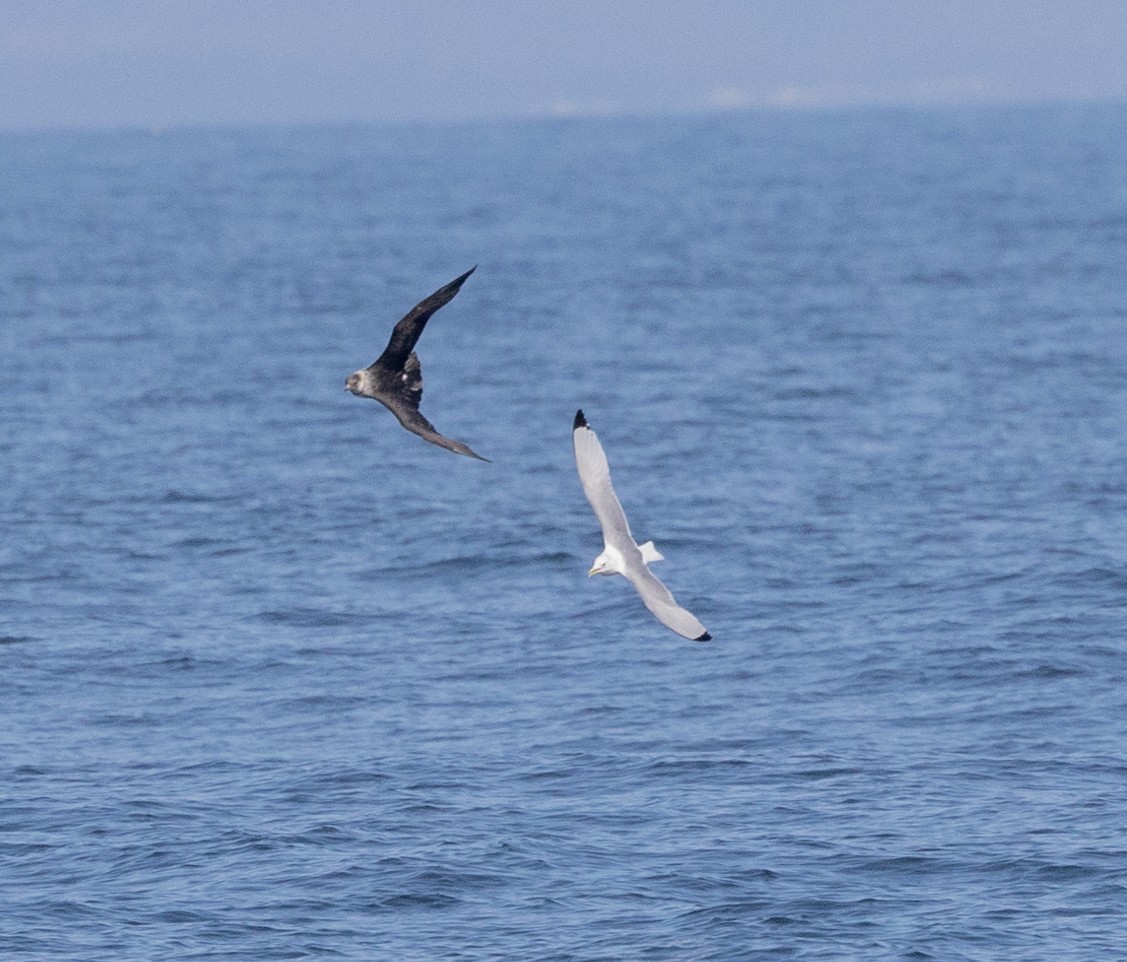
(165, 63)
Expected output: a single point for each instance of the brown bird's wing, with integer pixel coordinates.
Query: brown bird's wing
(401, 397)
(407, 331)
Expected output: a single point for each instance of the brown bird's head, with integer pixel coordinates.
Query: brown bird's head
(355, 383)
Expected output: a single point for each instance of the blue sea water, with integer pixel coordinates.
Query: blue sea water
(281, 681)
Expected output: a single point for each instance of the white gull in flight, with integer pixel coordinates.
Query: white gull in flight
(621, 555)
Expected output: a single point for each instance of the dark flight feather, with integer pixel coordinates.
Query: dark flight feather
(410, 327)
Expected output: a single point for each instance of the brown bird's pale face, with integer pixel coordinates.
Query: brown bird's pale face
(355, 383)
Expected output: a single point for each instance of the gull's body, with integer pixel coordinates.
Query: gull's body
(621, 554)
(395, 378)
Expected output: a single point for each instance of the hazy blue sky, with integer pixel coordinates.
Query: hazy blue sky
(167, 62)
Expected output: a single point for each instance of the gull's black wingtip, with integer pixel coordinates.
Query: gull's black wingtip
(705, 637)
(580, 420)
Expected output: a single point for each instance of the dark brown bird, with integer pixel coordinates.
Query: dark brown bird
(395, 379)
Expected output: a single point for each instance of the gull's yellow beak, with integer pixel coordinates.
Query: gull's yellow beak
(591, 572)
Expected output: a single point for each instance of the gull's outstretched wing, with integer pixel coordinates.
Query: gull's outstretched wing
(660, 601)
(407, 331)
(594, 474)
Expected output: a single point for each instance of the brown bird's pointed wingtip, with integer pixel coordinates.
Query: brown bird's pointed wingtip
(460, 280)
(580, 420)
(469, 452)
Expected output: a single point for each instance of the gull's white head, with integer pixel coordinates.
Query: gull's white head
(605, 564)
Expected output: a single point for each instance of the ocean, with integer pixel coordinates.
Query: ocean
(282, 681)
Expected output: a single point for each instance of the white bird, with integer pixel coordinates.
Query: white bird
(621, 555)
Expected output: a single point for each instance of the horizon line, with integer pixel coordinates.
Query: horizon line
(787, 100)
